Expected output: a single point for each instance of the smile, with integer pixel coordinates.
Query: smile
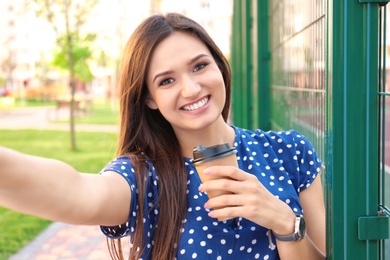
(196, 105)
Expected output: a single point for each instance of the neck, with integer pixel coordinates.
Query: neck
(218, 133)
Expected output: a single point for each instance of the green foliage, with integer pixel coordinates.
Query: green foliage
(67, 18)
(81, 54)
(83, 72)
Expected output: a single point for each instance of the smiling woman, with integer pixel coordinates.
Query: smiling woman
(174, 89)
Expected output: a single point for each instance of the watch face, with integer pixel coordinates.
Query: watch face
(302, 227)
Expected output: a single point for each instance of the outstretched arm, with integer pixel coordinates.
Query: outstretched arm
(54, 190)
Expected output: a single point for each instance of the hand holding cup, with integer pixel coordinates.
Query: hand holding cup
(204, 157)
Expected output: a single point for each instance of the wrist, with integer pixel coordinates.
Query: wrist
(285, 224)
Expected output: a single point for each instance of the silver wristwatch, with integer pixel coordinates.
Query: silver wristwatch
(299, 231)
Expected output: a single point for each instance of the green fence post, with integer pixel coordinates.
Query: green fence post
(352, 137)
(242, 64)
(236, 60)
(263, 67)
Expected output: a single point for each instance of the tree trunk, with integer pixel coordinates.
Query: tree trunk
(71, 79)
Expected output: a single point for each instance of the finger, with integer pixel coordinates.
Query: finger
(226, 213)
(223, 184)
(250, 202)
(225, 200)
(227, 172)
(234, 207)
(250, 186)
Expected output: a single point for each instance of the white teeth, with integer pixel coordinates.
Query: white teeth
(197, 105)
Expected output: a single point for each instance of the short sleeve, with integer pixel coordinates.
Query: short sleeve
(122, 165)
(297, 155)
(308, 160)
(309, 164)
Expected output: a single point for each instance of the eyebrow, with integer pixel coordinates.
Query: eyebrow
(170, 71)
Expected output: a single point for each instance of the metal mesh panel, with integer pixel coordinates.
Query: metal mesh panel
(298, 67)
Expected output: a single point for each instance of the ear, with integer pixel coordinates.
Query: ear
(150, 102)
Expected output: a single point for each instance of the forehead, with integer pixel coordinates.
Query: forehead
(177, 47)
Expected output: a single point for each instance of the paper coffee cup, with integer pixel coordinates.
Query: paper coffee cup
(218, 155)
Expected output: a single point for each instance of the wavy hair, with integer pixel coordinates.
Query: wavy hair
(145, 133)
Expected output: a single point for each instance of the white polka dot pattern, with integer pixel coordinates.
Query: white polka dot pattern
(284, 162)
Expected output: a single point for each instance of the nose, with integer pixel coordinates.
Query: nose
(189, 87)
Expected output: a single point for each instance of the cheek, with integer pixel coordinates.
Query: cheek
(164, 101)
(220, 84)
(221, 89)
(217, 77)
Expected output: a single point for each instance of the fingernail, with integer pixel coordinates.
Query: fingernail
(207, 171)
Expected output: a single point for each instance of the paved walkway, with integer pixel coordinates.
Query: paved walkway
(64, 241)
(59, 240)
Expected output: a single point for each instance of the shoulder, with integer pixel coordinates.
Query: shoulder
(271, 137)
(121, 164)
(287, 144)
(288, 138)
(125, 167)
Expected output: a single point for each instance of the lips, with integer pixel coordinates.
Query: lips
(197, 105)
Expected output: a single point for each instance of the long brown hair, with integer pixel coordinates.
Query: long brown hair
(145, 133)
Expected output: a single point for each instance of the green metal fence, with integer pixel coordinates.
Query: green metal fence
(315, 66)
(297, 44)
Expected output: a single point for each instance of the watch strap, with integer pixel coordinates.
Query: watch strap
(291, 237)
(299, 231)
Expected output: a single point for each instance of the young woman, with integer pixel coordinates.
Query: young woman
(174, 89)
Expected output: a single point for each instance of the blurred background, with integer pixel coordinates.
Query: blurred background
(33, 55)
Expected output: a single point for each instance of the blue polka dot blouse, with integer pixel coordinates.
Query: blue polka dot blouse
(284, 162)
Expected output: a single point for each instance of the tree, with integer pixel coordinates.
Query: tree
(81, 52)
(67, 18)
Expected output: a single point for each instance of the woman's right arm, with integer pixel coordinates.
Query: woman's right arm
(54, 190)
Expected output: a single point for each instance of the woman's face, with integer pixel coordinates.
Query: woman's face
(185, 83)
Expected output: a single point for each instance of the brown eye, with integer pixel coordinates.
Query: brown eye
(200, 66)
(166, 82)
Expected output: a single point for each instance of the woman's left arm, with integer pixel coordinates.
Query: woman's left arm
(314, 243)
(312, 201)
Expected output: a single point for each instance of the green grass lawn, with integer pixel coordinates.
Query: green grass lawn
(33, 103)
(95, 150)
